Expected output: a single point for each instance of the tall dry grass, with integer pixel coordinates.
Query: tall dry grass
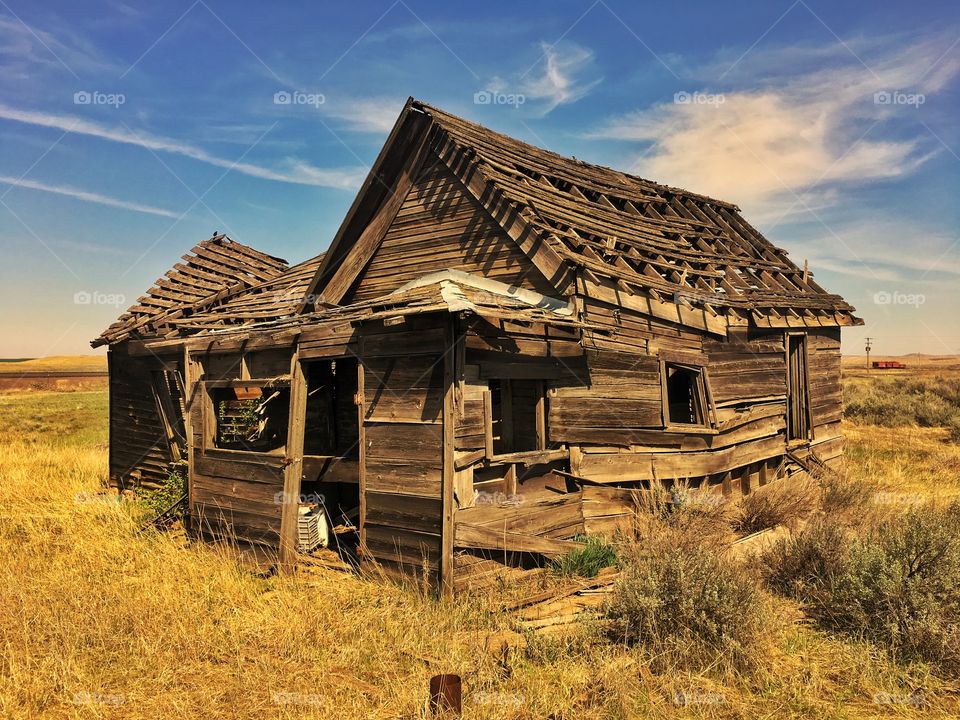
(100, 619)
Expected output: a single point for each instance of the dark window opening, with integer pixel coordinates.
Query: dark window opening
(798, 400)
(517, 415)
(331, 423)
(686, 396)
(250, 418)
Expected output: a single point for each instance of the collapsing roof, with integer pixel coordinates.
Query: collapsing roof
(213, 271)
(622, 239)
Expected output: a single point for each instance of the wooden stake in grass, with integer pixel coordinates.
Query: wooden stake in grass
(445, 694)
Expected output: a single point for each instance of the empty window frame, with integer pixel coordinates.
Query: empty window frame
(515, 416)
(331, 427)
(249, 418)
(686, 398)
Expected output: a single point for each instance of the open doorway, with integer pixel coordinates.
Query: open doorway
(331, 472)
(798, 391)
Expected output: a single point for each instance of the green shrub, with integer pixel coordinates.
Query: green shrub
(172, 489)
(685, 604)
(586, 561)
(896, 584)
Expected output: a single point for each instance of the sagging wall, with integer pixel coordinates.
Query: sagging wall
(604, 420)
(234, 494)
(146, 426)
(390, 439)
(405, 381)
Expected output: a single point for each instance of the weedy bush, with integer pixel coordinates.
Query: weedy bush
(785, 502)
(896, 583)
(687, 606)
(589, 559)
(696, 513)
(173, 488)
(799, 566)
(954, 428)
(842, 494)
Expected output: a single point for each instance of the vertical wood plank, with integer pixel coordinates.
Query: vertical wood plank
(189, 380)
(293, 471)
(449, 471)
(541, 414)
(360, 401)
(488, 424)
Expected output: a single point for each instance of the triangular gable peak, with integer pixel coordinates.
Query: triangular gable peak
(589, 230)
(213, 271)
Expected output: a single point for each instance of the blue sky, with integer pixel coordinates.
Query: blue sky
(131, 130)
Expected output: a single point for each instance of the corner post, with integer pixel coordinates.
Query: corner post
(293, 470)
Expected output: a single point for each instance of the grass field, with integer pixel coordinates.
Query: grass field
(101, 619)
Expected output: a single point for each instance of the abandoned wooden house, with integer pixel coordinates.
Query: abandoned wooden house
(498, 345)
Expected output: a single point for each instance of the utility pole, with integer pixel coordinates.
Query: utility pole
(869, 340)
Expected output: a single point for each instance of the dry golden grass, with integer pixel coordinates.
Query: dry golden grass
(56, 363)
(100, 619)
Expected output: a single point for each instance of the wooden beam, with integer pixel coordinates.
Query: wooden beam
(293, 472)
(450, 374)
(505, 213)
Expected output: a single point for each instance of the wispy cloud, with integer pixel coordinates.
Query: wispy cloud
(295, 171)
(564, 74)
(807, 123)
(373, 115)
(28, 49)
(86, 196)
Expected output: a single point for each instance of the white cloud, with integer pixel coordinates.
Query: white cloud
(373, 115)
(87, 196)
(296, 171)
(559, 77)
(809, 123)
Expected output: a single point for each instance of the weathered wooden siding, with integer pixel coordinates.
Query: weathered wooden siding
(437, 228)
(826, 392)
(234, 495)
(402, 475)
(140, 454)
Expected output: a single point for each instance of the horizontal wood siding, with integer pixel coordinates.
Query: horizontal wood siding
(439, 227)
(139, 452)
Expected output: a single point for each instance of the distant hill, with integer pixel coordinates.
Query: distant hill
(55, 363)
